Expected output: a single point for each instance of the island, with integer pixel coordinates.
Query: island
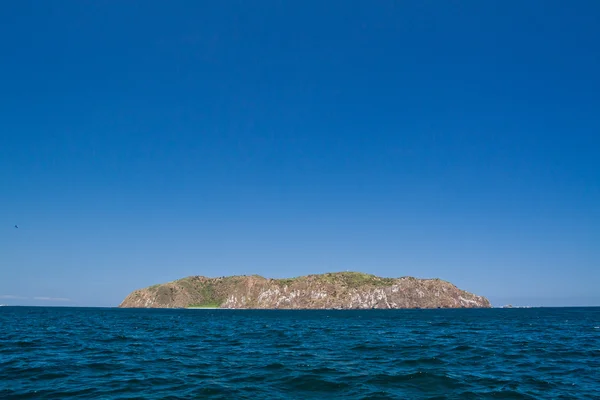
(337, 290)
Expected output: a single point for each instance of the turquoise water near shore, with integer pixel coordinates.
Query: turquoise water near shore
(87, 353)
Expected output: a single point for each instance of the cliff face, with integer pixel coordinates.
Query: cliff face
(344, 290)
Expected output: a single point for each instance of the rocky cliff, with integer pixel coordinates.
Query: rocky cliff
(343, 290)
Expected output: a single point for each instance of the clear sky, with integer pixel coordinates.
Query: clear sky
(145, 141)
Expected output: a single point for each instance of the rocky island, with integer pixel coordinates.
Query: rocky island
(341, 290)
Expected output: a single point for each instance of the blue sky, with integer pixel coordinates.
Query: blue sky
(145, 141)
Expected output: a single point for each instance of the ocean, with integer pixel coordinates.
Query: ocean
(102, 353)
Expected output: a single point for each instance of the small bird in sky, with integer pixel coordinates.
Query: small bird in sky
(17, 226)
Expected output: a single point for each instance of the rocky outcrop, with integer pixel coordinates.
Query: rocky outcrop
(343, 290)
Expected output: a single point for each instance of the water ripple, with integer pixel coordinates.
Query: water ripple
(61, 353)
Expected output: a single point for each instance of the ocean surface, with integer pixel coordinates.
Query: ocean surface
(87, 353)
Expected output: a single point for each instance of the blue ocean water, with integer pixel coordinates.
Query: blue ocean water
(87, 353)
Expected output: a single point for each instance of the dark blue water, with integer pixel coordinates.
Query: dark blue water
(61, 353)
